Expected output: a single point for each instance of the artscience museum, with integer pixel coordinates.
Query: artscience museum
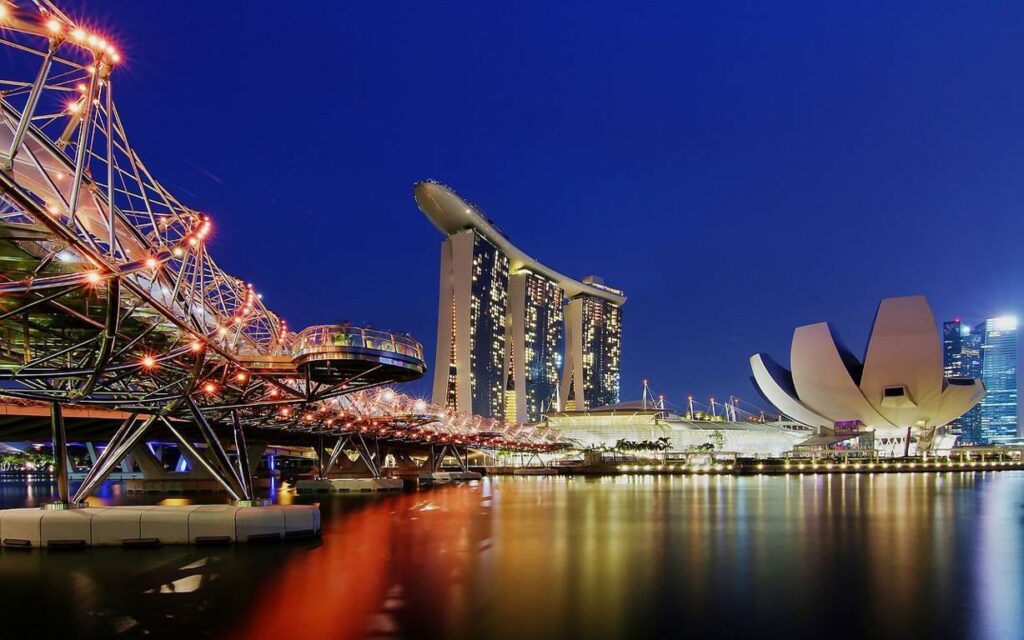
(896, 401)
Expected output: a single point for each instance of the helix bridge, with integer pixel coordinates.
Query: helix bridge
(109, 297)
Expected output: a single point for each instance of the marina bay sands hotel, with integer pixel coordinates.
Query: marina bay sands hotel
(501, 321)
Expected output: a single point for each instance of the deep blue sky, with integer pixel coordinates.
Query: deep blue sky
(737, 168)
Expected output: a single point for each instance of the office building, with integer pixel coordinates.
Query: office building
(999, 373)
(961, 358)
(593, 328)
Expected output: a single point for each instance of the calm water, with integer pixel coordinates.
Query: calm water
(911, 556)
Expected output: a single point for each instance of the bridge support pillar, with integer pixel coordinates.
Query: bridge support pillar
(255, 453)
(321, 464)
(60, 456)
(151, 464)
(211, 464)
(436, 460)
(335, 453)
(463, 462)
(222, 469)
(122, 442)
(368, 457)
(242, 452)
(404, 461)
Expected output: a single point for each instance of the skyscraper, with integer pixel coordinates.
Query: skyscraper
(469, 375)
(969, 424)
(999, 373)
(593, 329)
(502, 322)
(535, 340)
(961, 358)
(951, 346)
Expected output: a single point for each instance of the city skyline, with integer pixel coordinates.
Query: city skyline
(995, 419)
(246, 388)
(707, 202)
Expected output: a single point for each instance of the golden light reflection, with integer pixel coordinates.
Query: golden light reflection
(359, 579)
(620, 556)
(613, 556)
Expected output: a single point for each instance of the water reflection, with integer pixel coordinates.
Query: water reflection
(998, 561)
(923, 555)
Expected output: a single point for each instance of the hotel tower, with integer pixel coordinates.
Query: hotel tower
(505, 319)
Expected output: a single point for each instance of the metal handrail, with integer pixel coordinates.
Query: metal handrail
(326, 338)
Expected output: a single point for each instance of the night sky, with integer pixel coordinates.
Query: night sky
(737, 168)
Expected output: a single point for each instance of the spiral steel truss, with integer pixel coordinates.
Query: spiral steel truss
(108, 295)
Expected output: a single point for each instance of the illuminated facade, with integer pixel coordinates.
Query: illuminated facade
(999, 373)
(471, 325)
(961, 358)
(593, 329)
(534, 344)
(604, 427)
(500, 336)
(952, 342)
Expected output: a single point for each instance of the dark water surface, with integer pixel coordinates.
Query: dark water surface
(883, 556)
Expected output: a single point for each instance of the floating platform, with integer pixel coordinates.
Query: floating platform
(182, 486)
(174, 486)
(155, 525)
(535, 471)
(349, 485)
(446, 477)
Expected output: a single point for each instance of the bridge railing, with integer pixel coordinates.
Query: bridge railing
(326, 338)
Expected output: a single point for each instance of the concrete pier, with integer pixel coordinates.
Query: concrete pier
(444, 477)
(155, 525)
(348, 485)
(173, 486)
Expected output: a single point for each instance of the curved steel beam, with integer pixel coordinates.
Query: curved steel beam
(109, 334)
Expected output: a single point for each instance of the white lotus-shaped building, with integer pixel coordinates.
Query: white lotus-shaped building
(899, 393)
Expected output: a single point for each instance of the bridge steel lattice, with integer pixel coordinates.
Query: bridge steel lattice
(109, 297)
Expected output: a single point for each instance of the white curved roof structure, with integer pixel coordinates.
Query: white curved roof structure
(776, 382)
(826, 376)
(451, 214)
(899, 386)
(904, 347)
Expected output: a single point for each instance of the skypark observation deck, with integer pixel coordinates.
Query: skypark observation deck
(451, 214)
